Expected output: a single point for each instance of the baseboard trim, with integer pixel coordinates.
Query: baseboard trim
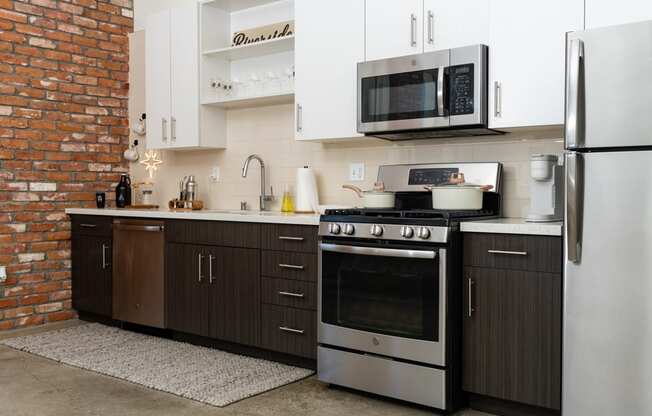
(507, 408)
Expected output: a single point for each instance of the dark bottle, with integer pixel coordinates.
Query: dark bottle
(123, 192)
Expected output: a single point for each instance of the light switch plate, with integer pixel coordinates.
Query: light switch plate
(356, 172)
(3, 274)
(215, 174)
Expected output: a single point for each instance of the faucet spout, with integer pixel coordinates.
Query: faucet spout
(263, 197)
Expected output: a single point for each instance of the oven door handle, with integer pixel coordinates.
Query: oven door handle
(382, 252)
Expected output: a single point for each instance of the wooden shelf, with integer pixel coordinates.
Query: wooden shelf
(255, 101)
(266, 47)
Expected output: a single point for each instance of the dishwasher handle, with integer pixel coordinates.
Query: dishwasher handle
(134, 227)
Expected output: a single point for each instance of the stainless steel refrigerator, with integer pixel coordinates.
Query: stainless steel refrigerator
(607, 344)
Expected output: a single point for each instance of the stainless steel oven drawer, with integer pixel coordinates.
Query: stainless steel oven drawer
(373, 374)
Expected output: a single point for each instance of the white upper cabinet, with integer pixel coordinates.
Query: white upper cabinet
(601, 13)
(326, 67)
(393, 28)
(172, 84)
(527, 60)
(451, 24)
(157, 79)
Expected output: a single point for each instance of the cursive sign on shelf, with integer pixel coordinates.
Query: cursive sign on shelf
(262, 33)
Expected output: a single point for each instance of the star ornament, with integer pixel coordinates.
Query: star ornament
(151, 162)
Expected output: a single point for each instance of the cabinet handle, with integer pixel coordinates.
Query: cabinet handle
(173, 128)
(510, 253)
(498, 99)
(199, 259)
(290, 266)
(413, 30)
(286, 238)
(104, 263)
(210, 269)
(431, 27)
(88, 225)
(164, 129)
(291, 330)
(291, 294)
(299, 118)
(471, 309)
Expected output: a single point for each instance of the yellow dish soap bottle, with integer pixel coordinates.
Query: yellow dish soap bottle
(287, 205)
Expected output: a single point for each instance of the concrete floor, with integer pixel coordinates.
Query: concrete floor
(35, 386)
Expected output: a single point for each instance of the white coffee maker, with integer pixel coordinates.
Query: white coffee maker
(546, 189)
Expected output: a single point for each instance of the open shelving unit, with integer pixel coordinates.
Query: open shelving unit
(220, 61)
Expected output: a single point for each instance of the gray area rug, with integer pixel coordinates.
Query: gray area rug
(203, 374)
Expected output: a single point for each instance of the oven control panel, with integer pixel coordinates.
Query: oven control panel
(394, 232)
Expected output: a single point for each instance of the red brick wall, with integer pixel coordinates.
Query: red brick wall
(63, 127)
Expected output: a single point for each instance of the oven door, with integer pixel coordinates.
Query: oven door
(405, 93)
(385, 301)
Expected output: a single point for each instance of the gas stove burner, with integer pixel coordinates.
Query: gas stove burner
(407, 214)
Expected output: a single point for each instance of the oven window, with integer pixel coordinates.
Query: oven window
(403, 96)
(386, 295)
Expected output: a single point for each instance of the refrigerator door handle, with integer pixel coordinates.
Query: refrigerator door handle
(574, 204)
(574, 133)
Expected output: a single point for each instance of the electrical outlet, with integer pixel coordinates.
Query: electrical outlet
(356, 172)
(215, 174)
(3, 274)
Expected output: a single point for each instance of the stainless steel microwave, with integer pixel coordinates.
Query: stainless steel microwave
(429, 95)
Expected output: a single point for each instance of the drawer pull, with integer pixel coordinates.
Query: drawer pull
(290, 266)
(510, 253)
(88, 225)
(286, 238)
(291, 330)
(292, 295)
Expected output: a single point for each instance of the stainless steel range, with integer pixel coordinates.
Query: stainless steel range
(390, 292)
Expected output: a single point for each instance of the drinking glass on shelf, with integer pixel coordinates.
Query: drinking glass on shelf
(237, 86)
(271, 86)
(255, 84)
(289, 78)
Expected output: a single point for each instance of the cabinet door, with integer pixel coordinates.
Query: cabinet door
(234, 299)
(451, 24)
(512, 335)
(157, 79)
(600, 13)
(184, 77)
(186, 280)
(91, 274)
(326, 67)
(393, 28)
(527, 60)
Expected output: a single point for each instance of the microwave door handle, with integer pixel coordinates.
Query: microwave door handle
(440, 91)
(574, 133)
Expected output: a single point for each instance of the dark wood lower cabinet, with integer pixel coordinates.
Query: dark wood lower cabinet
(512, 335)
(214, 292)
(289, 330)
(234, 297)
(91, 274)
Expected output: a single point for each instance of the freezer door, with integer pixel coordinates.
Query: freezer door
(607, 340)
(609, 87)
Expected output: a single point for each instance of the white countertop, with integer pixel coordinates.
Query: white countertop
(206, 215)
(513, 226)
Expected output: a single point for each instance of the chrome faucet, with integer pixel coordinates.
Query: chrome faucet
(263, 197)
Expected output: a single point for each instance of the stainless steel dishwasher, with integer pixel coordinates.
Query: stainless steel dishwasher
(138, 272)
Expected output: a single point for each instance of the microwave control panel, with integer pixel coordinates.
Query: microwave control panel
(461, 89)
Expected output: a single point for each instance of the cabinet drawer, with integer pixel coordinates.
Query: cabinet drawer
(289, 330)
(513, 252)
(294, 293)
(92, 225)
(290, 237)
(219, 233)
(297, 266)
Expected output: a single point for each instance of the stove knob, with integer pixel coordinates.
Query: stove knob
(376, 230)
(407, 232)
(334, 228)
(423, 233)
(349, 229)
